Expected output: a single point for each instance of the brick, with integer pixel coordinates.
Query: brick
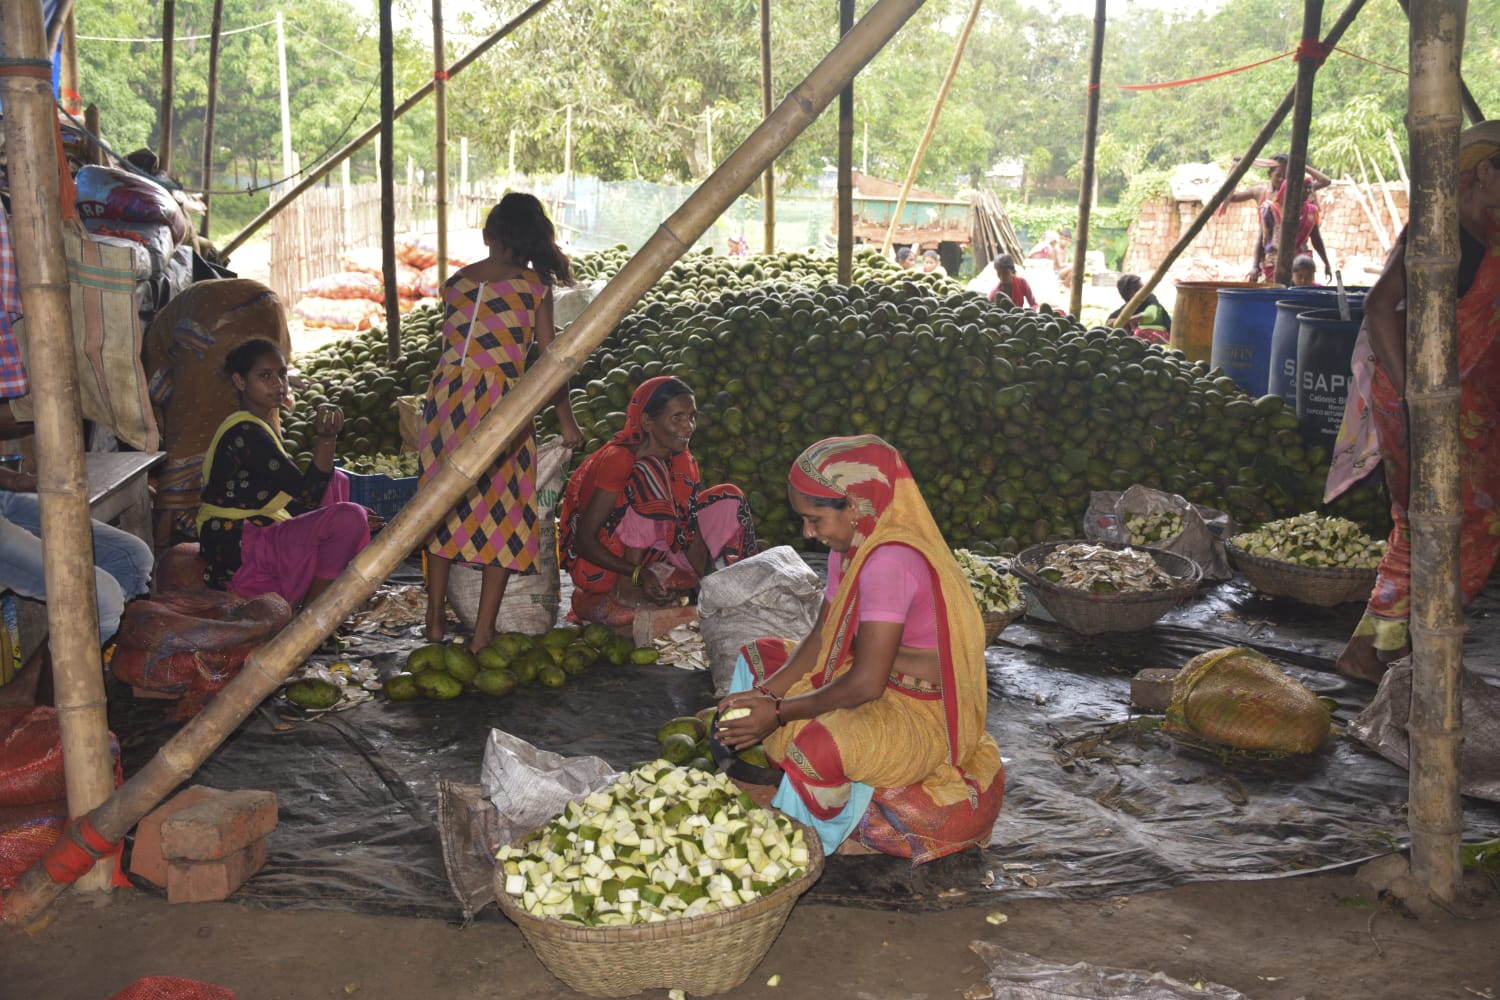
(210, 881)
(146, 859)
(1151, 689)
(219, 826)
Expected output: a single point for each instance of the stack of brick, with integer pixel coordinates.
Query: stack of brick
(204, 843)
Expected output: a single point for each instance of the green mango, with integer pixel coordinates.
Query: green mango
(460, 663)
(439, 686)
(402, 687)
(314, 694)
(496, 683)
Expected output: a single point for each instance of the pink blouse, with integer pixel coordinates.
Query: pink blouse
(895, 586)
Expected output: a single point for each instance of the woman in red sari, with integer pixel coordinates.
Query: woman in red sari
(877, 717)
(1382, 635)
(634, 518)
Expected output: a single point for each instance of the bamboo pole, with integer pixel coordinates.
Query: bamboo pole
(1296, 167)
(168, 84)
(388, 185)
(215, 36)
(1470, 106)
(71, 99)
(1390, 203)
(846, 160)
(1369, 210)
(1090, 142)
(62, 485)
(932, 120)
(440, 113)
(1390, 140)
(768, 181)
(268, 666)
(316, 174)
(1435, 725)
(91, 123)
(1237, 171)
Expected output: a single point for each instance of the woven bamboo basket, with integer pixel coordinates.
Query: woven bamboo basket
(1308, 584)
(700, 955)
(996, 621)
(1090, 613)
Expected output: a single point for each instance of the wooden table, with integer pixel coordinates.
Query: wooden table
(117, 489)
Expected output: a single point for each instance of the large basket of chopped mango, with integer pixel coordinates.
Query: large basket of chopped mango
(1310, 558)
(1094, 587)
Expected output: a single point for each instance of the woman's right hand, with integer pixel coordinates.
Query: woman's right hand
(737, 734)
(328, 422)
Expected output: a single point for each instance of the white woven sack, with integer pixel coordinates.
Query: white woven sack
(773, 594)
(531, 601)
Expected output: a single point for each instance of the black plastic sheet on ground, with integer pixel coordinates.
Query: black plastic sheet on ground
(1092, 808)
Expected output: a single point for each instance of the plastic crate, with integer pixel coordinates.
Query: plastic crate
(382, 494)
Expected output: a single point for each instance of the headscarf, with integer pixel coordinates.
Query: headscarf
(889, 508)
(665, 490)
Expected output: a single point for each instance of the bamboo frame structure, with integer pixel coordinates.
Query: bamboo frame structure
(274, 661)
(62, 484)
(1470, 106)
(932, 120)
(768, 179)
(1090, 143)
(1435, 726)
(846, 160)
(317, 173)
(1366, 207)
(440, 116)
(1296, 165)
(215, 37)
(168, 84)
(1335, 32)
(388, 185)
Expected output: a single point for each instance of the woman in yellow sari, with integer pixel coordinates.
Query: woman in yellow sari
(877, 717)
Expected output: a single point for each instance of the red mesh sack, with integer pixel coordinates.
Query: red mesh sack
(25, 841)
(193, 643)
(427, 282)
(172, 988)
(31, 764)
(347, 285)
(906, 823)
(338, 314)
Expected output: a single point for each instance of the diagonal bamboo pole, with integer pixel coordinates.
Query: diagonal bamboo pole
(1090, 143)
(1236, 172)
(67, 547)
(1435, 724)
(317, 173)
(846, 161)
(270, 665)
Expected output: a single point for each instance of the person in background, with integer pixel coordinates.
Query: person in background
(1264, 194)
(1151, 322)
(1012, 285)
(1375, 415)
(495, 310)
(1304, 272)
(931, 265)
(264, 525)
(906, 258)
(1062, 262)
(884, 700)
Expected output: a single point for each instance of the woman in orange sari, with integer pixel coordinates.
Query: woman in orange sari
(877, 717)
(1378, 403)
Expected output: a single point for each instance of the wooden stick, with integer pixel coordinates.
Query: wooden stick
(1296, 164)
(1369, 210)
(1086, 183)
(62, 484)
(317, 173)
(440, 113)
(268, 666)
(1400, 164)
(388, 185)
(768, 179)
(1237, 171)
(932, 120)
(846, 161)
(215, 36)
(164, 119)
(1390, 203)
(1435, 725)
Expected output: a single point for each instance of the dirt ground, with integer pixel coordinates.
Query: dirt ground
(1322, 937)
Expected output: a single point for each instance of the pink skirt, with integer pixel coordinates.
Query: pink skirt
(285, 557)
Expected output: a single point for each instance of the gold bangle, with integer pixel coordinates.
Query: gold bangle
(635, 576)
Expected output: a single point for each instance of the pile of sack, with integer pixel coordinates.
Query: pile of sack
(354, 298)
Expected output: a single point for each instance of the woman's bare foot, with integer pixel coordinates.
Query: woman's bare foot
(435, 629)
(1361, 661)
(479, 640)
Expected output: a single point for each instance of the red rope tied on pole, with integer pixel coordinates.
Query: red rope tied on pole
(1314, 49)
(73, 855)
(37, 69)
(440, 74)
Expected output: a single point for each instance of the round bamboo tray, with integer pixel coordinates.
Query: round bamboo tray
(702, 955)
(1309, 584)
(1090, 613)
(996, 621)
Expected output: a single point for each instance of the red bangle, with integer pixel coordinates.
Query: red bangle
(762, 689)
(778, 712)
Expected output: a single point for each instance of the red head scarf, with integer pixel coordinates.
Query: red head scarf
(863, 470)
(632, 433)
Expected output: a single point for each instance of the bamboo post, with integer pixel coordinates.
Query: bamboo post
(1237, 171)
(164, 121)
(440, 113)
(1296, 176)
(91, 123)
(62, 485)
(846, 160)
(1086, 183)
(268, 666)
(768, 179)
(215, 36)
(346, 202)
(932, 120)
(1470, 106)
(358, 142)
(388, 185)
(72, 100)
(1435, 725)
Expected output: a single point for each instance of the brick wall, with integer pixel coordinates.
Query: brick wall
(1222, 250)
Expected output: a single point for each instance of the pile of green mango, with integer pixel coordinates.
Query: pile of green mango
(684, 740)
(441, 671)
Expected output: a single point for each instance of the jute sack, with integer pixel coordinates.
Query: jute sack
(1238, 697)
(531, 601)
(772, 594)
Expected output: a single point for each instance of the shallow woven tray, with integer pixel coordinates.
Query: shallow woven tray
(995, 621)
(1091, 613)
(1308, 584)
(701, 955)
